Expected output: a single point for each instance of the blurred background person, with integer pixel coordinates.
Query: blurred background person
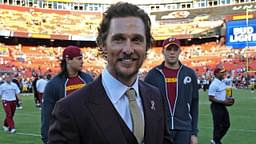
(10, 93)
(253, 83)
(70, 79)
(40, 86)
(15, 79)
(178, 83)
(219, 100)
(34, 89)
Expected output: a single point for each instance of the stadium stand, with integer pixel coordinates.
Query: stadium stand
(189, 21)
(46, 59)
(52, 24)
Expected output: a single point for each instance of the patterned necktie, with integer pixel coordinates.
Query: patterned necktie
(137, 120)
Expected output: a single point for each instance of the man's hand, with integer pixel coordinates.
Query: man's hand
(194, 139)
(229, 101)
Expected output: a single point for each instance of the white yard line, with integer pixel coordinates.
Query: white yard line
(28, 134)
(233, 129)
(233, 116)
(27, 114)
(24, 134)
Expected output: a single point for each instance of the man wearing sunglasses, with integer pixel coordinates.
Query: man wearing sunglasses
(178, 83)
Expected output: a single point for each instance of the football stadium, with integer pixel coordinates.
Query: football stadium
(34, 34)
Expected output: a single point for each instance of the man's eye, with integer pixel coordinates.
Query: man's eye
(137, 40)
(118, 40)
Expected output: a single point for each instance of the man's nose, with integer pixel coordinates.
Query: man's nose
(128, 48)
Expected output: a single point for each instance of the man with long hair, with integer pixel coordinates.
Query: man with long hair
(70, 79)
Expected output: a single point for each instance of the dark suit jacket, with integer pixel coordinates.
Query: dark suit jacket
(88, 117)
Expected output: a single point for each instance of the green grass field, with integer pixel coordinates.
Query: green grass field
(242, 114)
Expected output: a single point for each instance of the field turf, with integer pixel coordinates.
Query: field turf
(242, 114)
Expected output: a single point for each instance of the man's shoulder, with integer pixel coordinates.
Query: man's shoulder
(157, 67)
(56, 78)
(13, 84)
(187, 68)
(152, 72)
(187, 71)
(86, 76)
(56, 81)
(149, 87)
(2, 85)
(215, 83)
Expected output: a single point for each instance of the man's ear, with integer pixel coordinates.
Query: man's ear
(67, 60)
(162, 50)
(146, 55)
(103, 49)
(180, 51)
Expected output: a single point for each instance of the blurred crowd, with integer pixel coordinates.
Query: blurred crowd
(29, 61)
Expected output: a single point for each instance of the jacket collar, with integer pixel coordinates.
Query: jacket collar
(114, 88)
(161, 66)
(104, 113)
(107, 117)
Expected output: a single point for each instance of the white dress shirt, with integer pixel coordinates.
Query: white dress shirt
(116, 93)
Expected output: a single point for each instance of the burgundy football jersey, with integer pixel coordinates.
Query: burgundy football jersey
(73, 84)
(171, 80)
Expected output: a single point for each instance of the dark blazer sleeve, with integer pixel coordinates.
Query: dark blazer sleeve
(64, 129)
(157, 130)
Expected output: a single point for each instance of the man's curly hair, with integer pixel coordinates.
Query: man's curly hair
(122, 9)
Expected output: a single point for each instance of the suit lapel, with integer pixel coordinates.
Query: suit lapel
(148, 112)
(105, 114)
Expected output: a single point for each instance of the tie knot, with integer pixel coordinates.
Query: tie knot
(131, 93)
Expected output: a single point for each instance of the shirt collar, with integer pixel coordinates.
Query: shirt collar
(218, 80)
(115, 89)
